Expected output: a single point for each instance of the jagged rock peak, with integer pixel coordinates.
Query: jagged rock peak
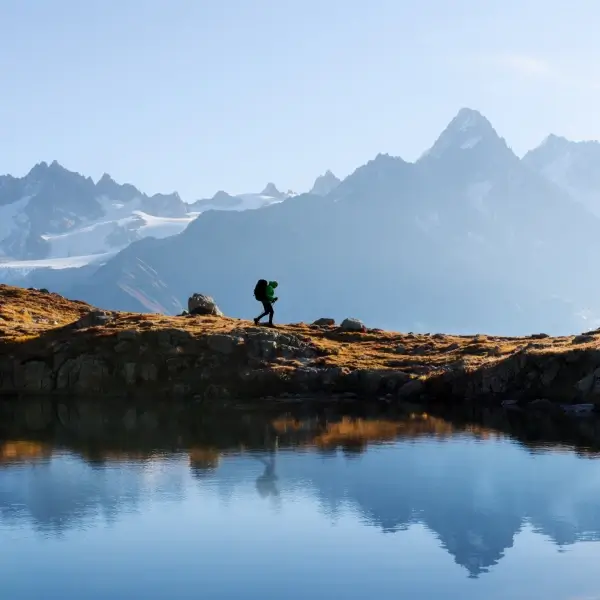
(271, 190)
(106, 178)
(469, 119)
(324, 184)
(221, 195)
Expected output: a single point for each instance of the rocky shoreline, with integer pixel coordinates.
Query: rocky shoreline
(54, 346)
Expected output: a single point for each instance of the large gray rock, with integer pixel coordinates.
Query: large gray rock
(352, 325)
(199, 304)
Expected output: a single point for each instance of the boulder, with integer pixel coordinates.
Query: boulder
(324, 322)
(352, 325)
(94, 318)
(199, 304)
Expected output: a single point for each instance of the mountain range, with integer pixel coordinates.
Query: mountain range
(470, 237)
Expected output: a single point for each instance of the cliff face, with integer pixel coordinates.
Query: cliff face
(50, 345)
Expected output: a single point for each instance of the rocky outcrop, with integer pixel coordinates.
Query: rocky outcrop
(52, 346)
(199, 304)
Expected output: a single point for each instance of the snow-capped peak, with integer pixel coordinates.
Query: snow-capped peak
(467, 131)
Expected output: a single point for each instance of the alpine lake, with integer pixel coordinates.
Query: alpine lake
(286, 504)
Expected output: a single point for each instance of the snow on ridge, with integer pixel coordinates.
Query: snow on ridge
(57, 263)
(125, 221)
(246, 202)
(470, 143)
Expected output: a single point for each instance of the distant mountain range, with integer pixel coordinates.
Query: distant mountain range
(53, 213)
(469, 237)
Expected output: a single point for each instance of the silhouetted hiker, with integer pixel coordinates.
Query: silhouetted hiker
(265, 292)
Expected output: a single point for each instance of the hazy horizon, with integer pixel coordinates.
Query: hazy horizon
(198, 96)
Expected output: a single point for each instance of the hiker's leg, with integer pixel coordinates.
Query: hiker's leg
(271, 313)
(267, 308)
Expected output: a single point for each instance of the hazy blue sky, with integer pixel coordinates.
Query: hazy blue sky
(200, 95)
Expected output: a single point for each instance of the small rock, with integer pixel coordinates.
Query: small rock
(199, 304)
(582, 339)
(325, 322)
(539, 336)
(352, 325)
(94, 318)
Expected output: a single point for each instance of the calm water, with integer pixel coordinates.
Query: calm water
(353, 509)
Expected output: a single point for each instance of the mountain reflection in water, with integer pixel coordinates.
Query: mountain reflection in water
(475, 489)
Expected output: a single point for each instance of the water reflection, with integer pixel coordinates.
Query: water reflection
(473, 488)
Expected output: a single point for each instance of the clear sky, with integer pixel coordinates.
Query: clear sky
(202, 95)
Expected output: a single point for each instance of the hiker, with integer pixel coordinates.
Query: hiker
(265, 292)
